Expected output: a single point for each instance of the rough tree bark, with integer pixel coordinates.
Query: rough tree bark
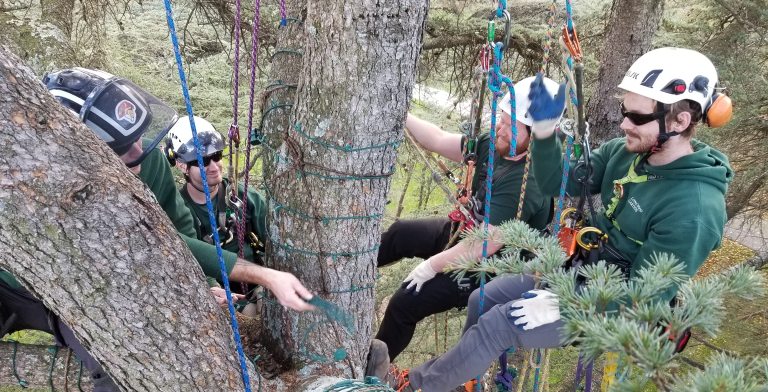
(328, 168)
(90, 241)
(629, 33)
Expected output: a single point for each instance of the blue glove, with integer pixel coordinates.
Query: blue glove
(545, 110)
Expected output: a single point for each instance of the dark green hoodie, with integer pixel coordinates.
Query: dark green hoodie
(257, 217)
(156, 173)
(679, 210)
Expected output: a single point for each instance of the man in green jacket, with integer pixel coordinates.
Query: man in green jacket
(182, 152)
(663, 191)
(120, 113)
(427, 290)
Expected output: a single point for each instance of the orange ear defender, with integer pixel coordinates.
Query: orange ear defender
(719, 111)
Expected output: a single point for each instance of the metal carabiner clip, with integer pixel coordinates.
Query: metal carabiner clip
(234, 203)
(571, 40)
(492, 28)
(600, 238)
(507, 29)
(571, 217)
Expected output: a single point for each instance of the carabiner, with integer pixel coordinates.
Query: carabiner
(492, 27)
(485, 57)
(234, 203)
(507, 29)
(571, 39)
(601, 237)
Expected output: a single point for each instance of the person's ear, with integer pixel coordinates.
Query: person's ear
(682, 121)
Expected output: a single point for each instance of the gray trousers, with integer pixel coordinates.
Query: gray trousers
(485, 337)
(32, 314)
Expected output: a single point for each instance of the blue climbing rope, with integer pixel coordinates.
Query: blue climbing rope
(569, 15)
(209, 205)
(495, 80)
(570, 138)
(501, 8)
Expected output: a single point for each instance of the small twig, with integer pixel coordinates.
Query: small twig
(742, 318)
(690, 362)
(712, 346)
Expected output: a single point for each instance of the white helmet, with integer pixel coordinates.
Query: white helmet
(669, 75)
(522, 88)
(180, 145)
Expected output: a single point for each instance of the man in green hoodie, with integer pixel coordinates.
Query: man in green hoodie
(181, 151)
(663, 190)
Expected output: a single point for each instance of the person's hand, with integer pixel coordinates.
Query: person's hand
(545, 110)
(220, 295)
(537, 308)
(421, 274)
(288, 290)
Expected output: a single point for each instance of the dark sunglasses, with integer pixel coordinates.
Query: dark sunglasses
(642, 118)
(216, 156)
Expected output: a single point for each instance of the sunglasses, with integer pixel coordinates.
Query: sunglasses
(642, 118)
(215, 157)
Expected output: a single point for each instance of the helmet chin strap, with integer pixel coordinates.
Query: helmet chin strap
(663, 134)
(189, 181)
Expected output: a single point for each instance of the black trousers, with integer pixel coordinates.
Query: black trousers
(421, 238)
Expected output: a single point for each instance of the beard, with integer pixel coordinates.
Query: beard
(639, 144)
(503, 147)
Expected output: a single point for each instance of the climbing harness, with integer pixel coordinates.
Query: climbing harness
(619, 189)
(227, 219)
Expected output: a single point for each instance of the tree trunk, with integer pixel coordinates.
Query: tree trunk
(328, 170)
(90, 241)
(629, 34)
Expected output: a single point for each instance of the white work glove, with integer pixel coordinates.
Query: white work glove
(537, 308)
(545, 110)
(421, 274)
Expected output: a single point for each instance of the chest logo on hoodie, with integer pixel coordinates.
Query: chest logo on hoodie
(634, 204)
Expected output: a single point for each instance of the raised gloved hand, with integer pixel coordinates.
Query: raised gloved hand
(545, 110)
(537, 308)
(420, 275)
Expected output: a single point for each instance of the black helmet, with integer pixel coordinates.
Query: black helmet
(118, 111)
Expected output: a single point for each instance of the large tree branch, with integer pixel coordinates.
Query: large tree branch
(92, 244)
